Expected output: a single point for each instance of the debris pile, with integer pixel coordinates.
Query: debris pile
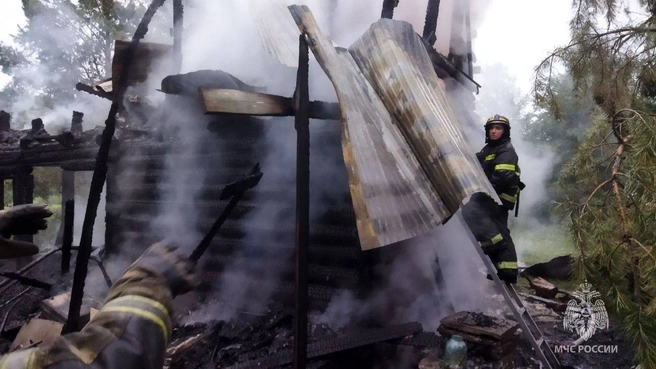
(493, 338)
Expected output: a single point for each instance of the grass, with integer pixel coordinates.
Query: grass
(541, 243)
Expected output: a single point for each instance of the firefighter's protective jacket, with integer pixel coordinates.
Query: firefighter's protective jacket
(130, 331)
(500, 163)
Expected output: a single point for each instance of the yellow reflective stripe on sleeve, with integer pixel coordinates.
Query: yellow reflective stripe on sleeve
(510, 167)
(140, 312)
(507, 197)
(143, 303)
(507, 265)
(496, 239)
(490, 157)
(156, 304)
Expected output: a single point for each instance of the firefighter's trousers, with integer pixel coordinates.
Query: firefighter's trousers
(488, 221)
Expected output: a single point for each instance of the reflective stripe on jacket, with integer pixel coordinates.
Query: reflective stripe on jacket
(500, 163)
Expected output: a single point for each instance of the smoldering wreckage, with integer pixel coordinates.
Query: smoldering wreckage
(351, 267)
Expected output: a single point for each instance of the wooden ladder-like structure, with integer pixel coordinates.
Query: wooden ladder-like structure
(526, 322)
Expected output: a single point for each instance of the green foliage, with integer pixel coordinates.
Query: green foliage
(64, 42)
(613, 226)
(609, 185)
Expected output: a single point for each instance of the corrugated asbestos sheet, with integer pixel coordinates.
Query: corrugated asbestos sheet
(409, 165)
(278, 37)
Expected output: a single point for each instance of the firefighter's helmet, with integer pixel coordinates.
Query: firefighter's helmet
(497, 119)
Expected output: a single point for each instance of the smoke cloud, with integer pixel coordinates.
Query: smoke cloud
(224, 35)
(408, 290)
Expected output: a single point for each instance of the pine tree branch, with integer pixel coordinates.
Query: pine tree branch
(643, 247)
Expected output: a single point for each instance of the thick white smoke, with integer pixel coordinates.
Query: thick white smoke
(224, 35)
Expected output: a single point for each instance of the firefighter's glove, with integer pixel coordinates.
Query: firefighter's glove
(10, 249)
(164, 258)
(24, 219)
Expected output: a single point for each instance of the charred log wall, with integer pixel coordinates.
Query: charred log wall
(258, 237)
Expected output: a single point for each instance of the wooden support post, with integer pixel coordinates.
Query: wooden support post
(2, 194)
(76, 123)
(23, 192)
(430, 25)
(5, 121)
(67, 243)
(178, 13)
(100, 174)
(468, 35)
(388, 8)
(68, 193)
(302, 108)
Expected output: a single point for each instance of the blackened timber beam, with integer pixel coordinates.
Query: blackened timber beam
(49, 154)
(445, 69)
(5, 121)
(8, 172)
(228, 101)
(100, 173)
(388, 8)
(2, 193)
(302, 109)
(430, 25)
(8, 283)
(68, 193)
(470, 53)
(78, 165)
(23, 188)
(67, 242)
(90, 90)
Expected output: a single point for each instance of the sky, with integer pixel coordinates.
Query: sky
(515, 33)
(519, 34)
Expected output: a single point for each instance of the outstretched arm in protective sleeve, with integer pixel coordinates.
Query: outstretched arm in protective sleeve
(133, 327)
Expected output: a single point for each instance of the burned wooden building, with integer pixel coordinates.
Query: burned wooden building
(390, 151)
(150, 180)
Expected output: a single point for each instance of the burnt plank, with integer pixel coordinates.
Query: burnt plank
(231, 101)
(221, 100)
(481, 325)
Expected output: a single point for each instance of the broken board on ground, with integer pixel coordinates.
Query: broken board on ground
(39, 331)
(56, 308)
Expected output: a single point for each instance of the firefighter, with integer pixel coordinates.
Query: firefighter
(487, 219)
(134, 325)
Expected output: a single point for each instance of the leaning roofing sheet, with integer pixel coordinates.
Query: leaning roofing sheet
(408, 163)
